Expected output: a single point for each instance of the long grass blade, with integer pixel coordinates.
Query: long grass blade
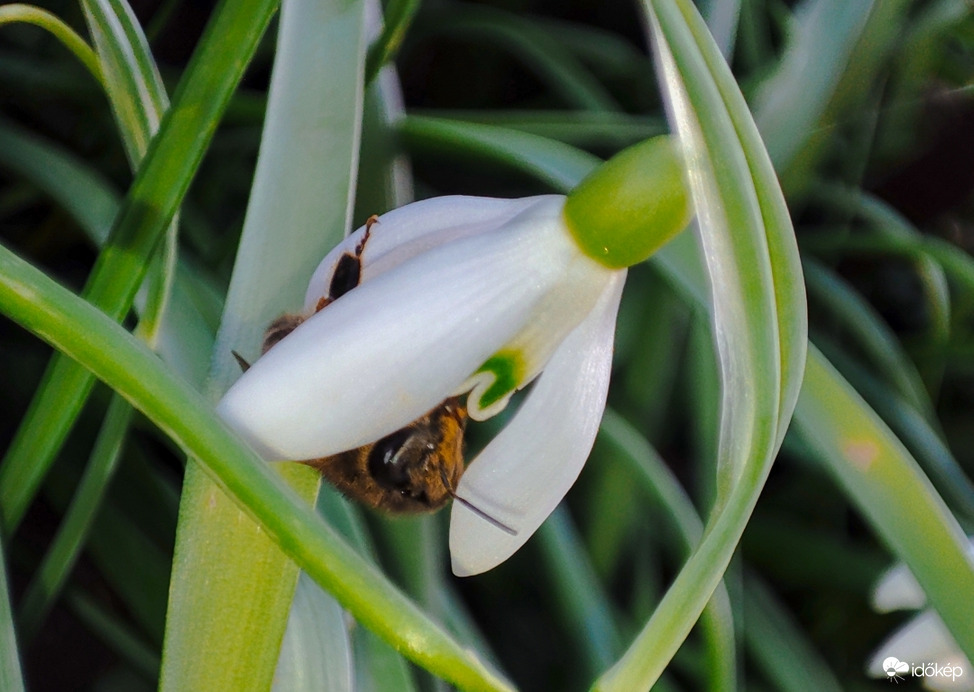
(11, 677)
(885, 482)
(149, 206)
(125, 364)
(759, 314)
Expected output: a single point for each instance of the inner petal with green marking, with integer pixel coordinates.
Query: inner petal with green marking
(494, 383)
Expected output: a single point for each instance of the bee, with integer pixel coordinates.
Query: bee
(413, 470)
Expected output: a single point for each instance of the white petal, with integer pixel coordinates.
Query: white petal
(897, 589)
(522, 475)
(407, 231)
(398, 345)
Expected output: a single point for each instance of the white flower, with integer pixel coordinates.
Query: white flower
(923, 641)
(457, 295)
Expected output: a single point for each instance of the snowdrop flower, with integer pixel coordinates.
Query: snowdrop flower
(480, 297)
(924, 643)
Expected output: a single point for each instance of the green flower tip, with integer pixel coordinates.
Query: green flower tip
(508, 370)
(630, 206)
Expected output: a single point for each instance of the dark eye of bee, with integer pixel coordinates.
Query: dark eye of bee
(347, 275)
(388, 462)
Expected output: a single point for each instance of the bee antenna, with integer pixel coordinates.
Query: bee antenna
(483, 515)
(244, 365)
(474, 508)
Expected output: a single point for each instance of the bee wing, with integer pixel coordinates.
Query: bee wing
(523, 474)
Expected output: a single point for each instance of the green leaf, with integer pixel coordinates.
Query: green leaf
(88, 336)
(183, 337)
(131, 78)
(759, 313)
(583, 603)
(299, 208)
(119, 637)
(149, 206)
(889, 488)
(603, 129)
(654, 477)
(870, 333)
(10, 676)
(398, 17)
(539, 50)
(781, 650)
(17, 12)
(792, 102)
(556, 164)
(48, 580)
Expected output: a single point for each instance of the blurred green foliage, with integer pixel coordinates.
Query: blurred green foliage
(868, 116)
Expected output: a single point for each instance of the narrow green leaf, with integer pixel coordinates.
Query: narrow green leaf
(584, 605)
(722, 17)
(299, 208)
(384, 175)
(48, 580)
(133, 566)
(917, 432)
(556, 164)
(781, 650)
(80, 190)
(117, 635)
(31, 14)
(131, 78)
(398, 17)
(88, 336)
(540, 51)
(604, 129)
(792, 101)
(876, 471)
(378, 666)
(717, 620)
(759, 313)
(127, 72)
(151, 203)
(886, 221)
(11, 678)
(183, 338)
(874, 337)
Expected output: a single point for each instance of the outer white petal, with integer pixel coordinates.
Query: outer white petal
(409, 230)
(396, 346)
(897, 589)
(523, 474)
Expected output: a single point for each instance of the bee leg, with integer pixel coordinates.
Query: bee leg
(323, 303)
(279, 328)
(348, 271)
(244, 365)
(369, 223)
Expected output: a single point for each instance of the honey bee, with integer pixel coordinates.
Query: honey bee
(413, 470)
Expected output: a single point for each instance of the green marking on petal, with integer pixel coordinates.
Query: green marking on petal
(508, 370)
(631, 205)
